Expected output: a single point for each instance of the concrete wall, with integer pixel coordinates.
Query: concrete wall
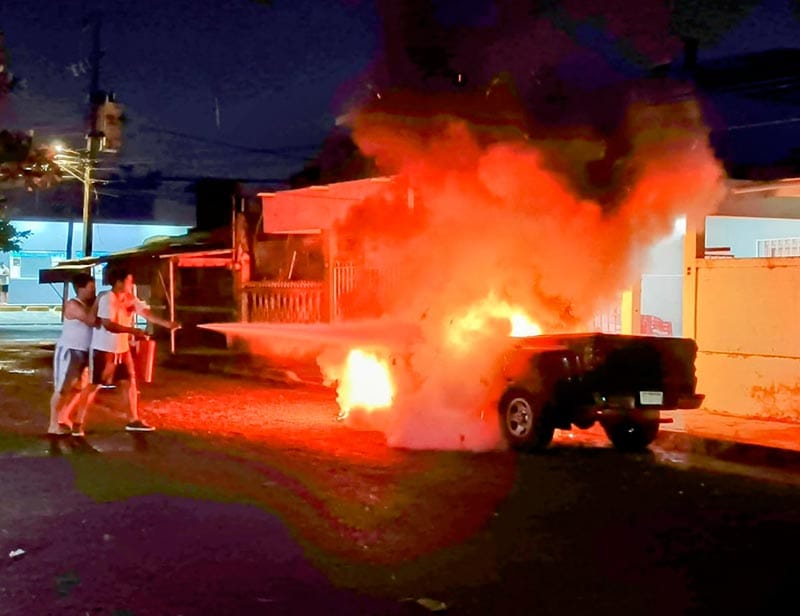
(747, 327)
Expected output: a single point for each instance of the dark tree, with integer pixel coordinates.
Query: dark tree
(707, 22)
(22, 163)
(10, 238)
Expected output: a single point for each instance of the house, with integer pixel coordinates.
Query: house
(302, 269)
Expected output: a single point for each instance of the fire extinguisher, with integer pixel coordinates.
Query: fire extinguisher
(145, 359)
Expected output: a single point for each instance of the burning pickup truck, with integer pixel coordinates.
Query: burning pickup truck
(623, 382)
(536, 383)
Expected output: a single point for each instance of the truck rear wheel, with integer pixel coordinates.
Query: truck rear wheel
(632, 435)
(524, 421)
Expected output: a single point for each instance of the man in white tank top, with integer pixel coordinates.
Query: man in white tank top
(71, 358)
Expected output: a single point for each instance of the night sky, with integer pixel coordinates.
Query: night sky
(273, 72)
(276, 74)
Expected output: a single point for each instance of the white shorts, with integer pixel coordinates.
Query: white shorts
(68, 367)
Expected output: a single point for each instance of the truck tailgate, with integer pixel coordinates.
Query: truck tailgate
(619, 364)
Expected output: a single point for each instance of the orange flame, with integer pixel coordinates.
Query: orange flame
(365, 380)
(522, 326)
(366, 383)
(485, 314)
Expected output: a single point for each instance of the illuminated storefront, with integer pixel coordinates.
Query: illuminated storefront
(47, 245)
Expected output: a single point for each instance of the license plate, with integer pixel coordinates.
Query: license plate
(651, 398)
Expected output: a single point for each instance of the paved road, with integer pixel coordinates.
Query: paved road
(252, 499)
(29, 326)
(580, 530)
(29, 333)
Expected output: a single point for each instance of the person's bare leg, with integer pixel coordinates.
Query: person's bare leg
(133, 389)
(84, 401)
(66, 406)
(61, 405)
(131, 397)
(55, 400)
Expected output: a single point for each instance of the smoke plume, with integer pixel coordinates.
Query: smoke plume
(493, 222)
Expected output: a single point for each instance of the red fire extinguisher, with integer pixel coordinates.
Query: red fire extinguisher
(145, 359)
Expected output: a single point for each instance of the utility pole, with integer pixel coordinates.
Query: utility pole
(93, 136)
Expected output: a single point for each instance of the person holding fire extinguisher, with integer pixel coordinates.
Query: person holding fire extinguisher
(111, 361)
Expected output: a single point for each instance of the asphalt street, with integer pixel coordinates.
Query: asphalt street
(252, 499)
(580, 530)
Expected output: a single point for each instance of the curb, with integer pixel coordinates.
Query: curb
(29, 308)
(724, 450)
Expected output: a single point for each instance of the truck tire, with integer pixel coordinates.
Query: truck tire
(632, 435)
(524, 422)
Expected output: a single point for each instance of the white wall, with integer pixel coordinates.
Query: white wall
(740, 233)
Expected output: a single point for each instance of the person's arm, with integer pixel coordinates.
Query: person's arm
(151, 318)
(104, 313)
(79, 312)
(116, 328)
(143, 310)
(93, 313)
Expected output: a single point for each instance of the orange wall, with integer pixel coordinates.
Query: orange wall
(747, 327)
(315, 207)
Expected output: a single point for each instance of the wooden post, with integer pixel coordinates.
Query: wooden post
(65, 296)
(329, 247)
(172, 303)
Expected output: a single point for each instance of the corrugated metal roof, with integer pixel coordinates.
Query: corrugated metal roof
(192, 244)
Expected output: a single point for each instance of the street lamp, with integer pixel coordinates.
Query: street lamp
(78, 165)
(69, 161)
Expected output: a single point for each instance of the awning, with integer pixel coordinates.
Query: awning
(201, 258)
(176, 253)
(63, 272)
(138, 261)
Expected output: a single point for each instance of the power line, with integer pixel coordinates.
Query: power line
(759, 124)
(281, 153)
(197, 178)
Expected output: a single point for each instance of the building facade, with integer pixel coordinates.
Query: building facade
(47, 246)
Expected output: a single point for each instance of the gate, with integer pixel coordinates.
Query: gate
(283, 301)
(358, 291)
